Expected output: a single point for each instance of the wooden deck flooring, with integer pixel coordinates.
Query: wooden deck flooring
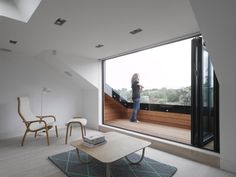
(161, 131)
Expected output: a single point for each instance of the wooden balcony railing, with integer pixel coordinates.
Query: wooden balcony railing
(113, 110)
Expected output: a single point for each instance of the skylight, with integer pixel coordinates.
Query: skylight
(18, 10)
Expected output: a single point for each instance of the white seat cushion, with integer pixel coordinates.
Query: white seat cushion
(25, 109)
(36, 125)
(74, 122)
(50, 121)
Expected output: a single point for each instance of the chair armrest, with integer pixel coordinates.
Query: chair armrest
(34, 121)
(77, 117)
(46, 117)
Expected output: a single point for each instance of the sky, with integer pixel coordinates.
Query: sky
(166, 66)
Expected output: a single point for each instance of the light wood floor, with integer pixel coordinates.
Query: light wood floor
(31, 160)
(162, 131)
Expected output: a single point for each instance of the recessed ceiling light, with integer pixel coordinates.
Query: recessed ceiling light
(138, 30)
(59, 21)
(68, 73)
(54, 52)
(13, 42)
(99, 46)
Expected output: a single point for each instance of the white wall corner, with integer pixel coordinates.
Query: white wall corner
(228, 165)
(216, 20)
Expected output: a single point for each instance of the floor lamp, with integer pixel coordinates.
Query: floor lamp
(44, 91)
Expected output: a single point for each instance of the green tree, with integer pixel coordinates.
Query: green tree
(161, 96)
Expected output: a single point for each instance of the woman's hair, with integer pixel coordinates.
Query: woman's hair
(135, 78)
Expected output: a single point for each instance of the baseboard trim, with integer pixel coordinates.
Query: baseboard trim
(228, 165)
(185, 151)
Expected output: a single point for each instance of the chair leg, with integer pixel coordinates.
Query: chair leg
(23, 139)
(46, 129)
(35, 134)
(70, 130)
(67, 129)
(84, 130)
(56, 131)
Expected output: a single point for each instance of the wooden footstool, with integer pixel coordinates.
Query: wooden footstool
(82, 122)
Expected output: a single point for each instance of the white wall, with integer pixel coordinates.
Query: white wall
(90, 107)
(92, 98)
(87, 68)
(26, 76)
(88, 74)
(216, 19)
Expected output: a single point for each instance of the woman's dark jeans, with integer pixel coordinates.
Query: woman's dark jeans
(136, 108)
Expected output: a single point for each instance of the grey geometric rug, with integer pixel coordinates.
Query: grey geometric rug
(69, 163)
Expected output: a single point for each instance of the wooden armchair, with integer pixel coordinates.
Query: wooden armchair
(34, 123)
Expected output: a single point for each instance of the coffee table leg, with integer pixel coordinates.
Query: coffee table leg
(136, 162)
(108, 170)
(81, 160)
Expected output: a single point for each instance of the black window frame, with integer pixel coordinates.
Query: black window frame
(146, 106)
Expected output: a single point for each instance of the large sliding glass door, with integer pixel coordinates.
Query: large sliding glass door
(177, 78)
(204, 98)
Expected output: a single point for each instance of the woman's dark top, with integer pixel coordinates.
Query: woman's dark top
(135, 90)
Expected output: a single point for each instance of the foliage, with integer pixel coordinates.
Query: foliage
(180, 96)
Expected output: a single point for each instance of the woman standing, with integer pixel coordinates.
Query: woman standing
(136, 88)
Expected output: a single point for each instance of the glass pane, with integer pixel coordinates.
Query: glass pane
(165, 73)
(207, 97)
